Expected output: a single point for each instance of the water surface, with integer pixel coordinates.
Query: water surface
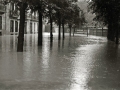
(77, 63)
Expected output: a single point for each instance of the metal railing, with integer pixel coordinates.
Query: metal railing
(14, 13)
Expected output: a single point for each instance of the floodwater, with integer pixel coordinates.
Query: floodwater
(77, 63)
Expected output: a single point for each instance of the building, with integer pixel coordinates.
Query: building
(9, 20)
(2, 11)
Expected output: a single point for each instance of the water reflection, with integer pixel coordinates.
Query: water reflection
(63, 44)
(51, 45)
(45, 55)
(105, 73)
(79, 63)
(59, 44)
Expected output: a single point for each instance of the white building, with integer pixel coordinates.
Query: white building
(9, 20)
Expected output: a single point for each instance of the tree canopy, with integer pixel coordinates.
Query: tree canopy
(108, 11)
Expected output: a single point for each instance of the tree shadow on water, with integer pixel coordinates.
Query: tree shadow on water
(111, 52)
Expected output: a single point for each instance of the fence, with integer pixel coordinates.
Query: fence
(92, 31)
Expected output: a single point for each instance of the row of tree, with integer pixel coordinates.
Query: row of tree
(108, 12)
(62, 12)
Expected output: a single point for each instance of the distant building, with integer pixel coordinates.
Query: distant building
(9, 20)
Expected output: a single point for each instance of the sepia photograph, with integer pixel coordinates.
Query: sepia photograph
(59, 45)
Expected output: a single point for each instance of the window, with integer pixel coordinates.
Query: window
(0, 22)
(11, 26)
(16, 26)
(12, 6)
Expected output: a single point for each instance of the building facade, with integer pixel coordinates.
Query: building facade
(10, 19)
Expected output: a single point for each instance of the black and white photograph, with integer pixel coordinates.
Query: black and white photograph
(59, 44)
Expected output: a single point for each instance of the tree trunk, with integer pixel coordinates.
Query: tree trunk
(59, 23)
(108, 31)
(74, 31)
(117, 34)
(51, 26)
(70, 30)
(63, 30)
(111, 32)
(117, 37)
(21, 28)
(40, 31)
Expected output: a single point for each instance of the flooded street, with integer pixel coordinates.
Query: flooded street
(77, 63)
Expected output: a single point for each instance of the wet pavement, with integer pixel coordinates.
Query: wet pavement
(77, 63)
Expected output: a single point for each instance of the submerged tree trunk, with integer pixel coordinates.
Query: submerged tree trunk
(74, 31)
(51, 27)
(63, 30)
(21, 28)
(111, 32)
(117, 37)
(59, 23)
(117, 34)
(40, 33)
(59, 36)
(70, 30)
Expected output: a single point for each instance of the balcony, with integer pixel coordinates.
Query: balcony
(28, 16)
(34, 18)
(31, 17)
(14, 13)
(2, 9)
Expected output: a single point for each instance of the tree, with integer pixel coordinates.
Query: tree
(21, 6)
(51, 14)
(40, 6)
(74, 18)
(64, 13)
(20, 44)
(58, 3)
(64, 7)
(108, 11)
